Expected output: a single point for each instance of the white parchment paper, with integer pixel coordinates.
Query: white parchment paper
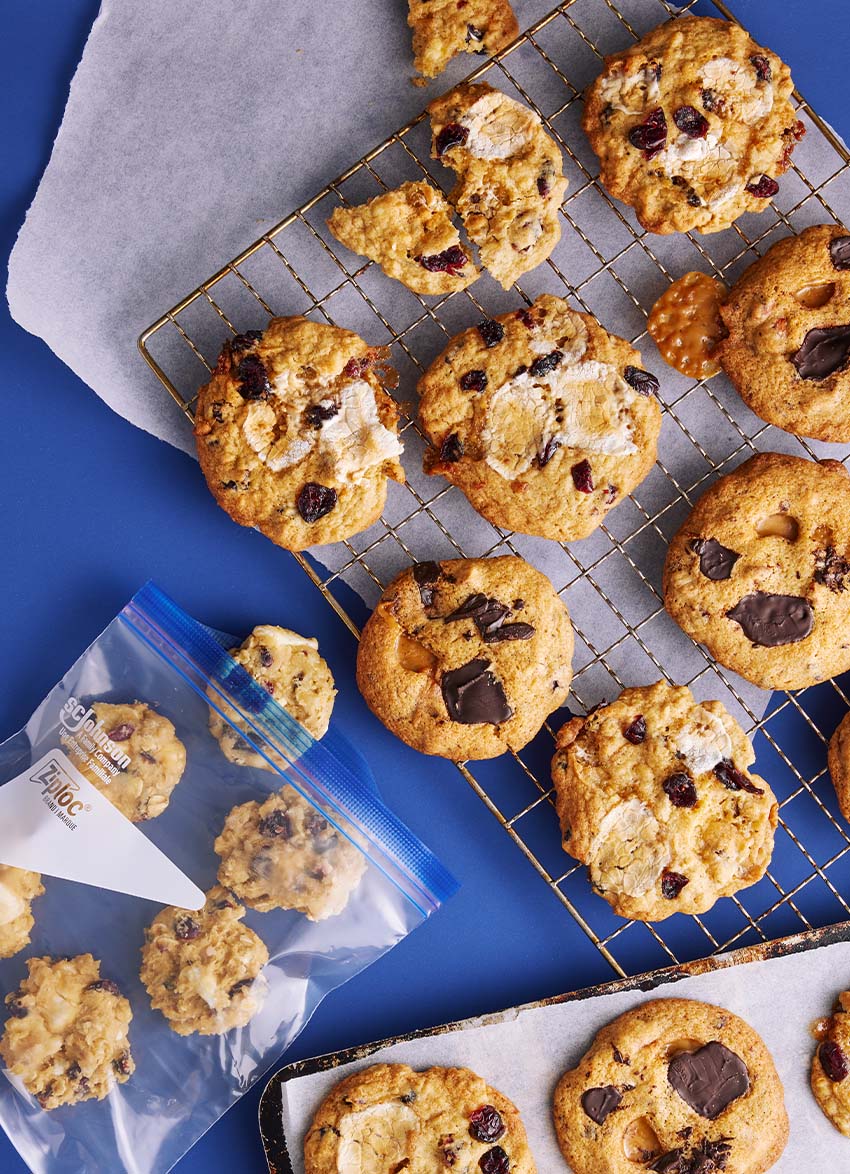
(525, 1053)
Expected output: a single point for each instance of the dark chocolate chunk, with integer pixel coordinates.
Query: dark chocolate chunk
(253, 379)
(508, 632)
(492, 332)
(839, 252)
(317, 414)
(824, 350)
(734, 779)
(651, 136)
(672, 884)
(489, 616)
(833, 1060)
(715, 560)
(644, 382)
(425, 575)
(473, 381)
(314, 501)
(710, 1079)
(486, 1124)
(599, 1103)
(709, 1157)
(636, 732)
(547, 451)
(452, 135)
(546, 363)
(830, 568)
(473, 694)
(582, 477)
(690, 122)
(121, 733)
(680, 789)
(276, 826)
(452, 449)
(772, 620)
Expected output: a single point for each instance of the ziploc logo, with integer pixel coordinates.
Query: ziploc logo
(76, 718)
(54, 821)
(60, 793)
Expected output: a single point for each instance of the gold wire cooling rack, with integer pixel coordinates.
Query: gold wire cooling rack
(607, 266)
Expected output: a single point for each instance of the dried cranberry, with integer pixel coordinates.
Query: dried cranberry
(680, 789)
(547, 451)
(452, 135)
(82, 1087)
(266, 657)
(253, 379)
(546, 363)
(147, 757)
(473, 381)
(452, 449)
(354, 368)
(734, 779)
(762, 67)
(543, 185)
(317, 414)
(314, 501)
(186, 928)
(764, 187)
(121, 733)
(239, 986)
(450, 261)
(672, 884)
(121, 1064)
(712, 102)
(833, 1060)
(243, 342)
(790, 137)
(486, 1124)
(491, 331)
(610, 494)
(104, 984)
(276, 825)
(526, 319)
(644, 382)
(494, 1161)
(217, 413)
(473, 33)
(636, 732)
(74, 1071)
(582, 477)
(651, 136)
(690, 122)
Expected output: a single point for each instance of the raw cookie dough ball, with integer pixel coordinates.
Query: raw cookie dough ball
(466, 658)
(390, 1118)
(543, 419)
(140, 788)
(830, 1078)
(289, 667)
(18, 887)
(202, 969)
(296, 434)
(66, 1035)
(692, 125)
(788, 345)
(673, 1085)
(654, 795)
(760, 571)
(284, 854)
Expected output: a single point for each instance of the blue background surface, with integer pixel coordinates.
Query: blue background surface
(93, 507)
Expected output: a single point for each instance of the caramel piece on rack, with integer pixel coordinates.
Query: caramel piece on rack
(686, 325)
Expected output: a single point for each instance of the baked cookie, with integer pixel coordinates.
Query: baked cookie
(542, 418)
(788, 345)
(289, 667)
(466, 658)
(142, 763)
(424, 1122)
(831, 1067)
(284, 854)
(18, 887)
(838, 759)
(296, 434)
(760, 571)
(692, 125)
(654, 796)
(410, 234)
(202, 969)
(66, 1035)
(675, 1086)
(510, 176)
(443, 28)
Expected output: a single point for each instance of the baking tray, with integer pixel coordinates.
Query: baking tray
(270, 1115)
(610, 581)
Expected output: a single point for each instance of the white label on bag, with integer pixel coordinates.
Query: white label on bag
(53, 820)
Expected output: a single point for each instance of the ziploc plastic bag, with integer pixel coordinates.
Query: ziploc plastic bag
(105, 879)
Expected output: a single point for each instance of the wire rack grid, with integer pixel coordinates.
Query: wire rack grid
(607, 266)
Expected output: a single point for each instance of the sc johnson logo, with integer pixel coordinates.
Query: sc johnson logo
(77, 719)
(59, 792)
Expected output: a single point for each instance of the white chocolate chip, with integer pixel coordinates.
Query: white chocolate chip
(628, 854)
(375, 1140)
(498, 127)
